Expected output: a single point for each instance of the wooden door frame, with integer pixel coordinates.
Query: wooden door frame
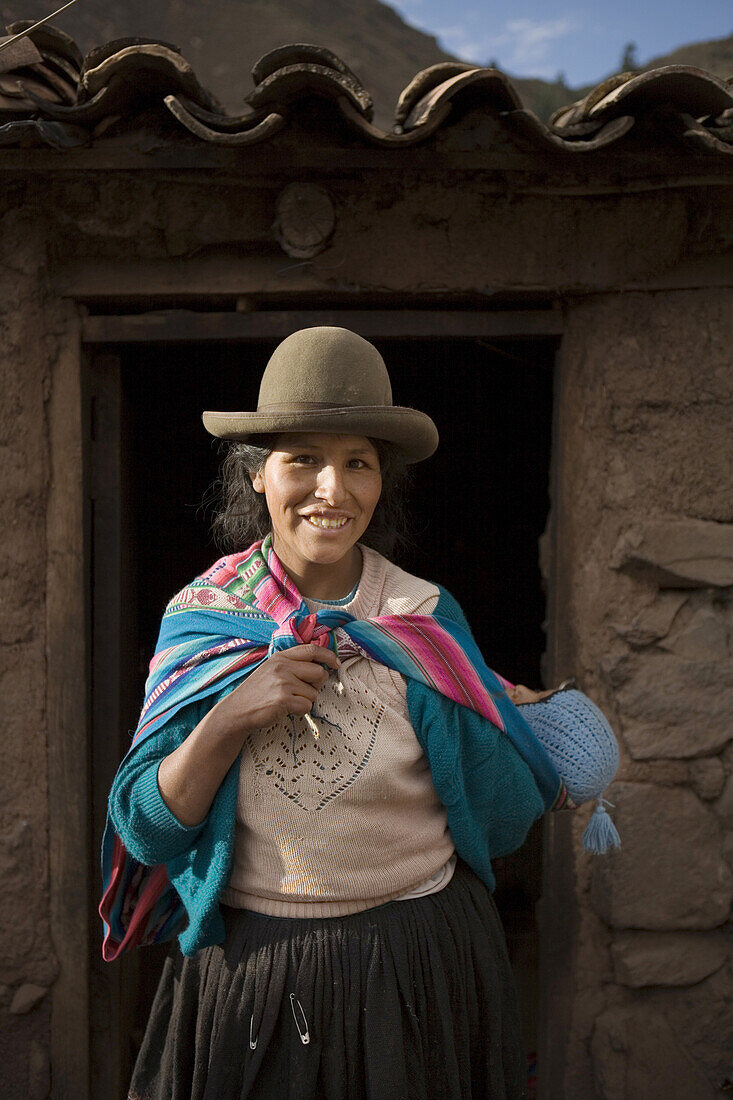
(88, 469)
(67, 718)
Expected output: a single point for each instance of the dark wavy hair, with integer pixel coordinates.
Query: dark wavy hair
(241, 516)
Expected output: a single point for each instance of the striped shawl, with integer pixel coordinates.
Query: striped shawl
(220, 628)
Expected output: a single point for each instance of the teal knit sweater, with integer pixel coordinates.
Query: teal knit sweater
(489, 793)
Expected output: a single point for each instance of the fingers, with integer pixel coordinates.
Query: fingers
(309, 673)
(288, 682)
(522, 694)
(314, 653)
(300, 705)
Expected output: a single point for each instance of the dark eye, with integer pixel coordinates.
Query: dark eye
(358, 464)
(303, 459)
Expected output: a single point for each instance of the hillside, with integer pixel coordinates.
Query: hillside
(715, 56)
(223, 40)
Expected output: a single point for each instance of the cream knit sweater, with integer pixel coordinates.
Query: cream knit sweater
(336, 825)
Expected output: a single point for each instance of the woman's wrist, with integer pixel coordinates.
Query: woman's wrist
(190, 776)
(226, 726)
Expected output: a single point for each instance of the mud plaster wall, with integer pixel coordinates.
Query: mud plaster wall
(642, 434)
(644, 572)
(34, 329)
(394, 233)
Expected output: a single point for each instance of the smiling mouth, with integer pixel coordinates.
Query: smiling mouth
(328, 522)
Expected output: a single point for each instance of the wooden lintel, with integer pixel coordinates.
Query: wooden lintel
(541, 169)
(171, 326)
(209, 276)
(712, 270)
(265, 161)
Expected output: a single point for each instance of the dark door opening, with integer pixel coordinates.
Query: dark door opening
(478, 506)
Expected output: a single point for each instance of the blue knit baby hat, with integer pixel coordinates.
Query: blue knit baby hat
(584, 750)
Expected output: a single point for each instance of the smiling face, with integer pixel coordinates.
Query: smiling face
(321, 491)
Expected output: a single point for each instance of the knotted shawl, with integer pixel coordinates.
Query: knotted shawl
(216, 631)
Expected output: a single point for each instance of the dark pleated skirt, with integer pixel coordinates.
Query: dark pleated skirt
(413, 1000)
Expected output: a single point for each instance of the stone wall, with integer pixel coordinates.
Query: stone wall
(645, 611)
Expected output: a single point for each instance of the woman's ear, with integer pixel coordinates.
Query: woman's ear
(258, 482)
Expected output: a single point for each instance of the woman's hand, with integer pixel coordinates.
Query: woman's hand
(286, 683)
(522, 694)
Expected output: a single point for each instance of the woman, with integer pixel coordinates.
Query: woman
(323, 770)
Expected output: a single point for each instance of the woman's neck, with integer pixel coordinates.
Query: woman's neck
(316, 581)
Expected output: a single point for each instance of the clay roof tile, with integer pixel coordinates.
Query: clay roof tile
(128, 77)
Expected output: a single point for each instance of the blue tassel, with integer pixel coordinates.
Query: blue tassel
(601, 833)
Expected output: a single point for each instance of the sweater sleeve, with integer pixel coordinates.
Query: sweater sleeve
(482, 770)
(141, 819)
(488, 790)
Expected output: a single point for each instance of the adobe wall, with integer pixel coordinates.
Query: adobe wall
(641, 994)
(34, 328)
(630, 971)
(395, 232)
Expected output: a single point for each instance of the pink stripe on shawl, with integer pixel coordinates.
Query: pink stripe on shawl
(443, 661)
(153, 890)
(276, 593)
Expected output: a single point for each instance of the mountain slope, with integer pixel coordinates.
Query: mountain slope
(716, 56)
(222, 39)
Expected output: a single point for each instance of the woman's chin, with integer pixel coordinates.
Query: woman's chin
(327, 555)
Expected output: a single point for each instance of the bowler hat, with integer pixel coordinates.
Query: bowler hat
(328, 379)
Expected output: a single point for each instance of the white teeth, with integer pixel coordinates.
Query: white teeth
(324, 521)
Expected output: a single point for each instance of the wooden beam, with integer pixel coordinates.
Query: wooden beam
(266, 161)
(226, 273)
(139, 151)
(114, 702)
(274, 276)
(691, 273)
(108, 1042)
(68, 765)
(557, 908)
(171, 326)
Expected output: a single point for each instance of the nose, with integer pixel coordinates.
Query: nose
(330, 488)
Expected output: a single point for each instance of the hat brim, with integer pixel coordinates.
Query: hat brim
(409, 429)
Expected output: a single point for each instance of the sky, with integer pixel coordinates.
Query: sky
(584, 41)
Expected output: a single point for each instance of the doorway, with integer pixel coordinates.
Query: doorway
(478, 508)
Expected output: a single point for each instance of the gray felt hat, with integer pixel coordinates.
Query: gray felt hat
(328, 379)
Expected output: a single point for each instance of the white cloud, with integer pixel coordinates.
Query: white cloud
(522, 45)
(530, 39)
